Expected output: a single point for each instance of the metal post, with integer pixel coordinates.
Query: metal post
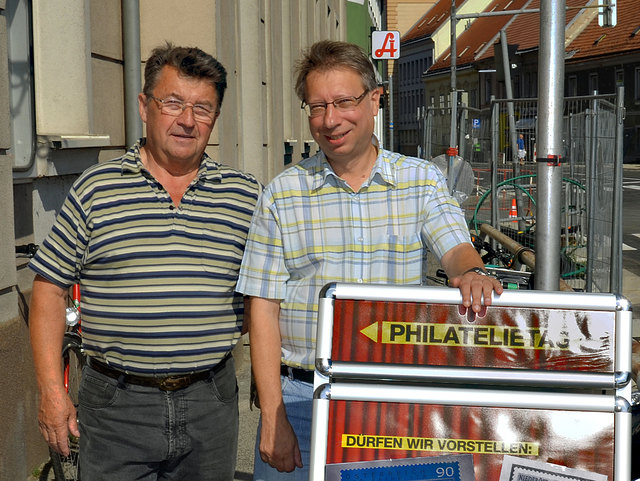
(453, 96)
(391, 112)
(550, 109)
(462, 125)
(420, 120)
(591, 189)
(495, 129)
(428, 151)
(513, 136)
(132, 82)
(616, 237)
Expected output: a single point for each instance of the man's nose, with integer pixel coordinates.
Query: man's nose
(187, 117)
(330, 116)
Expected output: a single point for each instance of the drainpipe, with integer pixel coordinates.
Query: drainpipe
(132, 82)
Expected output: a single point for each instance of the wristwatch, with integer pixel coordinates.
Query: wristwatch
(477, 270)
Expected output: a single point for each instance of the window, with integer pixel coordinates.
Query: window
(637, 85)
(593, 83)
(487, 89)
(572, 86)
(473, 98)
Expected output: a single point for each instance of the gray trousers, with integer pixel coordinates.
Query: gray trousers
(132, 432)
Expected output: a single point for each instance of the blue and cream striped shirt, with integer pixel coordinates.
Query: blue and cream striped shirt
(310, 228)
(157, 281)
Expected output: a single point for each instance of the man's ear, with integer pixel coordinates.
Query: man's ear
(142, 106)
(375, 99)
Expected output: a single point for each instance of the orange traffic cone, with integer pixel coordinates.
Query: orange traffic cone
(513, 213)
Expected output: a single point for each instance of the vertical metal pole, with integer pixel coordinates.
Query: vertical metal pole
(462, 129)
(591, 189)
(616, 235)
(132, 82)
(550, 109)
(428, 151)
(506, 65)
(453, 95)
(420, 119)
(391, 112)
(513, 136)
(495, 132)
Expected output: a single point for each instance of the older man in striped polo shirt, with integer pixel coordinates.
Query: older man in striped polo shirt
(155, 239)
(354, 213)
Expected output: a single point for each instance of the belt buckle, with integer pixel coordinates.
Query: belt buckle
(174, 383)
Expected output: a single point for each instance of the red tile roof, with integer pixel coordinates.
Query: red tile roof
(522, 30)
(596, 41)
(430, 21)
(482, 32)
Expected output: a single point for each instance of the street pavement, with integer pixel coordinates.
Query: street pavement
(248, 417)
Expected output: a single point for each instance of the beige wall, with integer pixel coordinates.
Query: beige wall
(257, 42)
(79, 101)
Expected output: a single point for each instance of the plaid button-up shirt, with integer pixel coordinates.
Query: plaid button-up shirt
(311, 228)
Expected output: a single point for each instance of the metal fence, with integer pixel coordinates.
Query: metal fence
(505, 189)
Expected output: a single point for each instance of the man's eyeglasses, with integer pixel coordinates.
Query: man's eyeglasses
(175, 107)
(344, 104)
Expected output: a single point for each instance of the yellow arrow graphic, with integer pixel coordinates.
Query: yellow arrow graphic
(371, 332)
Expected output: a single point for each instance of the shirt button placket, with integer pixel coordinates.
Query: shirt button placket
(357, 233)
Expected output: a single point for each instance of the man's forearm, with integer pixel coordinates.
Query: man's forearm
(46, 330)
(265, 346)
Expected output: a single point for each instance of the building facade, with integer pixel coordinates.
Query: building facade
(70, 72)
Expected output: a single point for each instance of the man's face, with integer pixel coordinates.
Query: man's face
(181, 140)
(342, 136)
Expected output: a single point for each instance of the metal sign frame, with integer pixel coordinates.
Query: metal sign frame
(598, 390)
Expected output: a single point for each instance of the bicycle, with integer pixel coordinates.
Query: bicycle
(65, 468)
(497, 262)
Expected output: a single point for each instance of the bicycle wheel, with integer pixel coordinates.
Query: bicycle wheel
(73, 360)
(65, 468)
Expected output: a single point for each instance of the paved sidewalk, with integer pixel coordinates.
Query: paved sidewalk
(248, 417)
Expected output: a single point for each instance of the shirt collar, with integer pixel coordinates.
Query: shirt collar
(132, 163)
(384, 167)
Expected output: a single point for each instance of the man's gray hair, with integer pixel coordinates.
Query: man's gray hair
(330, 55)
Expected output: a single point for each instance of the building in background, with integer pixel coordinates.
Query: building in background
(425, 41)
(67, 101)
(596, 59)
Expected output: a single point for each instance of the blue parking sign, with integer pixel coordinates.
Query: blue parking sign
(475, 123)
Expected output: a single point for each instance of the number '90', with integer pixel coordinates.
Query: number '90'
(441, 472)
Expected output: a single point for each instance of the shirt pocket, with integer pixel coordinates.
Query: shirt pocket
(397, 259)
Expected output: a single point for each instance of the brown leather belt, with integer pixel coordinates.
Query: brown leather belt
(167, 383)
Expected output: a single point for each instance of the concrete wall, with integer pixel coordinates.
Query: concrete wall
(21, 446)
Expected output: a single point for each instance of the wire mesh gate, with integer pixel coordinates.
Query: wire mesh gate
(591, 128)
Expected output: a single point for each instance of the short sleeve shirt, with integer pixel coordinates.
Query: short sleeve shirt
(311, 228)
(157, 281)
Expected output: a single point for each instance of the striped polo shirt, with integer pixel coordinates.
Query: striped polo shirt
(157, 281)
(311, 228)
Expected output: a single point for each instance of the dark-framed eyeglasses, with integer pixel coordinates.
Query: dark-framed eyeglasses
(343, 104)
(174, 107)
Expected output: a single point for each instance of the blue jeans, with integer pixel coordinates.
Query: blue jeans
(133, 432)
(298, 402)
